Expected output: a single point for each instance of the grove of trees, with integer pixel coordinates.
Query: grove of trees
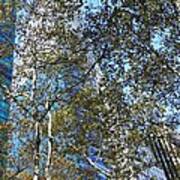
(91, 81)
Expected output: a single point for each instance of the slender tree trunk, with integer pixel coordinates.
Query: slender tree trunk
(37, 151)
(50, 141)
(37, 128)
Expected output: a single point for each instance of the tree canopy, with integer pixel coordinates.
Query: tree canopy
(90, 85)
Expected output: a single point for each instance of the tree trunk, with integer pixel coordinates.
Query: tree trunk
(37, 152)
(50, 141)
(37, 128)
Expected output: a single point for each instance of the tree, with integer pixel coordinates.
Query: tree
(131, 105)
(139, 74)
(45, 58)
(135, 84)
(77, 128)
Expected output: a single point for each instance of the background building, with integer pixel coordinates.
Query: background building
(7, 36)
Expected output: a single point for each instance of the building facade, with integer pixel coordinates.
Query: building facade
(7, 37)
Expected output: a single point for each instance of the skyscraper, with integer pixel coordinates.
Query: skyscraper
(7, 36)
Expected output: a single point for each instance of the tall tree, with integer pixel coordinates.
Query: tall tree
(127, 50)
(49, 58)
(140, 78)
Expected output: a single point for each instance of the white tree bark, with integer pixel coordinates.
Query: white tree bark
(49, 153)
(37, 128)
(37, 153)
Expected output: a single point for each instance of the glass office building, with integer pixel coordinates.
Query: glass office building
(7, 36)
(7, 33)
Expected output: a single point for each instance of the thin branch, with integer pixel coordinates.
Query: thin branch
(18, 172)
(81, 81)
